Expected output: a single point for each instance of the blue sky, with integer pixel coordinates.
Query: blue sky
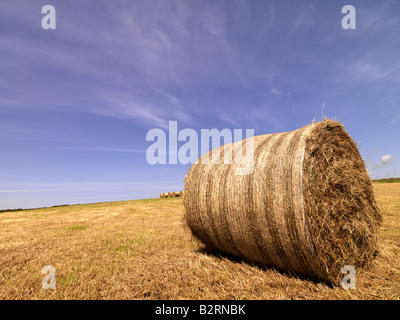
(76, 102)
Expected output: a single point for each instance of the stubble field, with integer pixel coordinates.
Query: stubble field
(141, 250)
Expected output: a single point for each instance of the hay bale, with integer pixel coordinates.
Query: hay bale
(170, 194)
(176, 194)
(308, 206)
(161, 195)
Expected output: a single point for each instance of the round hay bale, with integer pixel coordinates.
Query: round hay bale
(170, 194)
(308, 206)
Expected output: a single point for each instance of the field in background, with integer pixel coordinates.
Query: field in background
(141, 250)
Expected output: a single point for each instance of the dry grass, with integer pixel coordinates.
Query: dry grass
(140, 250)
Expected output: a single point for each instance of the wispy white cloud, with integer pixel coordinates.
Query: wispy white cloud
(170, 98)
(264, 116)
(304, 18)
(395, 120)
(270, 19)
(228, 117)
(25, 190)
(129, 109)
(155, 108)
(37, 132)
(12, 102)
(276, 91)
(214, 22)
(384, 161)
(82, 186)
(176, 46)
(102, 149)
(372, 20)
(9, 175)
(367, 71)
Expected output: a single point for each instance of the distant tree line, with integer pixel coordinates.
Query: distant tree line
(20, 209)
(387, 180)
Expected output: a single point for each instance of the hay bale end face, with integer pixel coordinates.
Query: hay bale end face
(308, 206)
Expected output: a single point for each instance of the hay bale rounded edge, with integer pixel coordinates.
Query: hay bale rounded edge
(308, 206)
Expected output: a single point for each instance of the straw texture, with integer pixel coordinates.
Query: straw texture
(307, 207)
